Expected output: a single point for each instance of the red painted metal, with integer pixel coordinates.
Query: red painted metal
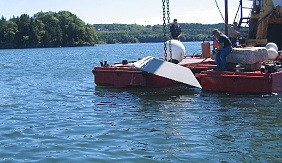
(126, 76)
(123, 76)
(241, 82)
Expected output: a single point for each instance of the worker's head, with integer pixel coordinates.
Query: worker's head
(174, 21)
(216, 33)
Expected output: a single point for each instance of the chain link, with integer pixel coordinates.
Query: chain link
(168, 26)
(164, 30)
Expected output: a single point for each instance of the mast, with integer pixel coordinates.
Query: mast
(226, 17)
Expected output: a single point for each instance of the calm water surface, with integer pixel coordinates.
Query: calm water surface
(51, 111)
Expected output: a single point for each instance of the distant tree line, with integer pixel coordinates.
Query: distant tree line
(46, 29)
(56, 29)
(133, 33)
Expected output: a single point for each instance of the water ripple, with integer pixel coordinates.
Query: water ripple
(51, 111)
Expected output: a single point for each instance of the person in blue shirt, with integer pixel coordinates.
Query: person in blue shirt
(224, 49)
(175, 30)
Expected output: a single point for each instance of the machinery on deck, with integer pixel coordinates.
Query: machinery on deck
(263, 24)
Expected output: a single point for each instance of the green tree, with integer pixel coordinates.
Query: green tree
(46, 29)
(53, 34)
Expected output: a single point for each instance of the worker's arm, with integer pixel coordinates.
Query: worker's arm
(221, 46)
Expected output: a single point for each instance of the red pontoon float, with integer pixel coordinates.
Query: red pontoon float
(255, 82)
(125, 75)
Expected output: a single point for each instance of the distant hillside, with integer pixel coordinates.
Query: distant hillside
(133, 33)
(56, 29)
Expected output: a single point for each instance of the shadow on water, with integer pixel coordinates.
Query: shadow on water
(144, 95)
(184, 93)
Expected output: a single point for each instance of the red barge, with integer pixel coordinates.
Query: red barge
(246, 82)
(258, 72)
(126, 75)
(242, 82)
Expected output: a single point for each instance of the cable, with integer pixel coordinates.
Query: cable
(219, 10)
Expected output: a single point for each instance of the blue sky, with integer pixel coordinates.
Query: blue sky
(143, 12)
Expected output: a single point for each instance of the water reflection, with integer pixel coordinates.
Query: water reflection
(196, 122)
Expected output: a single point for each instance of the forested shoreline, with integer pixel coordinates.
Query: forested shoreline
(133, 33)
(46, 29)
(65, 29)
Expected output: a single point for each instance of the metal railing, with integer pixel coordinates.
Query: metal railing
(242, 20)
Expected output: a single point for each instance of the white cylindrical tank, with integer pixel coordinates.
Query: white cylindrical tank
(177, 50)
(271, 45)
(272, 54)
(272, 50)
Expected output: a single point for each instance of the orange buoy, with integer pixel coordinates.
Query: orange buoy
(206, 49)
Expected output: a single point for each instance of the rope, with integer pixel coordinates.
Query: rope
(219, 10)
(202, 61)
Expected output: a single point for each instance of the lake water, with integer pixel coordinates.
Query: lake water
(51, 111)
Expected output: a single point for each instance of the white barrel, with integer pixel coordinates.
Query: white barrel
(272, 53)
(271, 45)
(177, 50)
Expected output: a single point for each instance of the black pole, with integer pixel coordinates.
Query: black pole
(241, 5)
(226, 17)
(241, 14)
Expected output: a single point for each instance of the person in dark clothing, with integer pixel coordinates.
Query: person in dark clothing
(223, 50)
(175, 30)
(233, 34)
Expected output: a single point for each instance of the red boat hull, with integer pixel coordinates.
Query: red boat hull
(241, 82)
(123, 77)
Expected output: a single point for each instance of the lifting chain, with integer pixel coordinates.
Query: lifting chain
(165, 27)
